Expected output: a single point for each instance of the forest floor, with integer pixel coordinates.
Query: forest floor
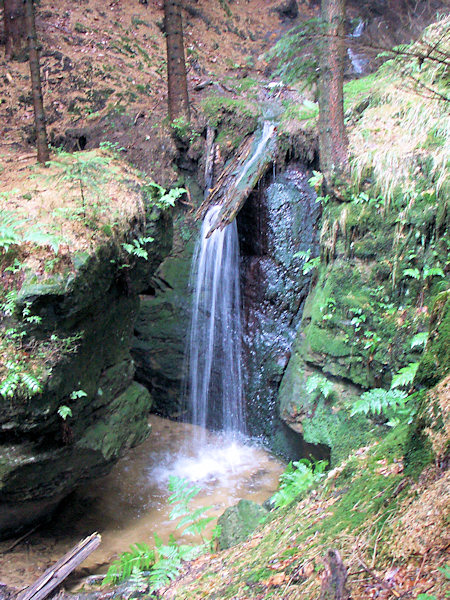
(102, 61)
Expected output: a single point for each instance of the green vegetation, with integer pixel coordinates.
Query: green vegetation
(297, 479)
(233, 118)
(157, 566)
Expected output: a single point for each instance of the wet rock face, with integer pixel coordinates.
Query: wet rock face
(162, 326)
(42, 456)
(277, 222)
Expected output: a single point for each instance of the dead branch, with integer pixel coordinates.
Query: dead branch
(56, 574)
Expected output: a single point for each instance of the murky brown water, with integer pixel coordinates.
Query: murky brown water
(129, 504)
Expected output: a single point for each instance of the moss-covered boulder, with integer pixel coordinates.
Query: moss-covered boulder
(238, 522)
(371, 298)
(68, 404)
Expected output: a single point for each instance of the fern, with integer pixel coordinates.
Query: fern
(405, 376)
(182, 493)
(165, 568)
(41, 238)
(414, 273)
(420, 339)
(164, 562)
(378, 401)
(318, 383)
(140, 557)
(298, 477)
(433, 272)
(9, 226)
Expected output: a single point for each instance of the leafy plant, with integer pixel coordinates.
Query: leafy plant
(10, 225)
(78, 394)
(309, 263)
(64, 412)
(136, 248)
(163, 562)
(405, 376)
(140, 557)
(298, 477)
(19, 380)
(85, 170)
(318, 383)
(161, 197)
(378, 401)
(193, 522)
(420, 339)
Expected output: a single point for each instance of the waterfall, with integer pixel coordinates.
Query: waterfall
(359, 62)
(214, 385)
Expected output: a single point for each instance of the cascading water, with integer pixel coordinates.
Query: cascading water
(359, 62)
(214, 384)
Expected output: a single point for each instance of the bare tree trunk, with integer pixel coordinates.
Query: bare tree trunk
(176, 65)
(334, 578)
(36, 88)
(15, 28)
(332, 135)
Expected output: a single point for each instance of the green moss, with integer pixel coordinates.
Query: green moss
(337, 430)
(435, 363)
(233, 119)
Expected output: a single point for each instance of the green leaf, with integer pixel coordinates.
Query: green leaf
(405, 376)
(433, 272)
(414, 273)
(64, 412)
(420, 339)
(41, 238)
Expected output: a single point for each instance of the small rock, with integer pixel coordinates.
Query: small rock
(238, 522)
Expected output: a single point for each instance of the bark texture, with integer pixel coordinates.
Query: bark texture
(332, 135)
(15, 28)
(176, 65)
(334, 578)
(36, 87)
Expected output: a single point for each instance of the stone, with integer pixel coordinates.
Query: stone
(89, 313)
(238, 522)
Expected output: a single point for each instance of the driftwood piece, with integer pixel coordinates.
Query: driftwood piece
(56, 574)
(240, 176)
(210, 157)
(334, 579)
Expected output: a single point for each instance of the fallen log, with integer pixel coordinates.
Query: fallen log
(240, 176)
(56, 574)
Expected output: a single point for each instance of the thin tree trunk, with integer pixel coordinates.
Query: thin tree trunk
(176, 65)
(15, 28)
(332, 135)
(36, 88)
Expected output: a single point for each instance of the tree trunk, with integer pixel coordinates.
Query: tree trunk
(176, 66)
(332, 136)
(15, 28)
(334, 578)
(36, 88)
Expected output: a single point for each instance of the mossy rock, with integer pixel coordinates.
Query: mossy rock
(435, 363)
(238, 522)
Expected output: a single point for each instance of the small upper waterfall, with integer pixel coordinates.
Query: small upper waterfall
(358, 60)
(214, 385)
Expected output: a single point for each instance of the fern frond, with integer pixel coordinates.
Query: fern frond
(405, 376)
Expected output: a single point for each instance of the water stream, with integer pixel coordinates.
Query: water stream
(130, 504)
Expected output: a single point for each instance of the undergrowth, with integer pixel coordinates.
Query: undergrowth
(161, 564)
